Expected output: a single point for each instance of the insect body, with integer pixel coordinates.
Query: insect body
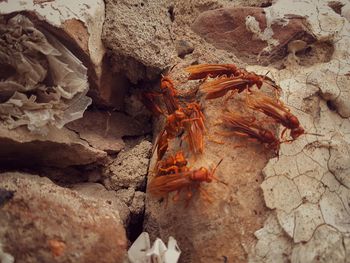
(169, 94)
(278, 111)
(219, 87)
(212, 70)
(189, 119)
(161, 186)
(241, 126)
(173, 164)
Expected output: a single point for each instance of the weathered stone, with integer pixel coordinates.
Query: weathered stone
(273, 245)
(317, 166)
(183, 48)
(59, 148)
(46, 223)
(138, 35)
(129, 169)
(326, 245)
(249, 33)
(105, 198)
(79, 26)
(104, 130)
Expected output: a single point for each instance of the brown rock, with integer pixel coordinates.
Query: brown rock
(105, 197)
(104, 130)
(46, 223)
(226, 28)
(59, 148)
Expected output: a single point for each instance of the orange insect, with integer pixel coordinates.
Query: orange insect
(169, 94)
(161, 186)
(189, 119)
(173, 164)
(212, 70)
(241, 126)
(275, 109)
(195, 129)
(219, 87)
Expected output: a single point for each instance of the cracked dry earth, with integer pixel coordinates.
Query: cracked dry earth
(291, 208)
(308, 185)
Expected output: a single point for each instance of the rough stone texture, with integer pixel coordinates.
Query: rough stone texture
(273, 245)
(59, 148)
(46, 223)
(139, 37)
(325, 246)
(104, 197)
(314, 210)
(183, 48)
(104, 130)
(249, 32)
(79, 26)
(129, 169)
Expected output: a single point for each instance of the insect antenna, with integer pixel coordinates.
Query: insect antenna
(315, 134)
(214, 177)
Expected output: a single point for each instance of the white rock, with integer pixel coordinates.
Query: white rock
(325, 246)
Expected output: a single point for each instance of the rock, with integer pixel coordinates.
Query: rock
(339, 161)
(273, 245)
(129, 169)
(333, 88)
(138, 35)
(250, 32)
(183, 48)
(326, 245)
(312, 208)
(104, 130)
(59, 148)
(105, 198)
(43, 222)
(138, 203)
(42, 83)
(79, 26)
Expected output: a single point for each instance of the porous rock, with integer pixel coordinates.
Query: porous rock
(46, 223)
(59, 148)
(138, 36)
(129, 169)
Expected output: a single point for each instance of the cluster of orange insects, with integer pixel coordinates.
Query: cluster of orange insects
(187, 120)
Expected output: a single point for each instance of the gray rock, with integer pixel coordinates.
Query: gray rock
(138, 35)
(129, 169)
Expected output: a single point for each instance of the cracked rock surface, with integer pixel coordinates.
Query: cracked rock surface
(308, 186)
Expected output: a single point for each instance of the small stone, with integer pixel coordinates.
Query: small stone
(183, 48)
